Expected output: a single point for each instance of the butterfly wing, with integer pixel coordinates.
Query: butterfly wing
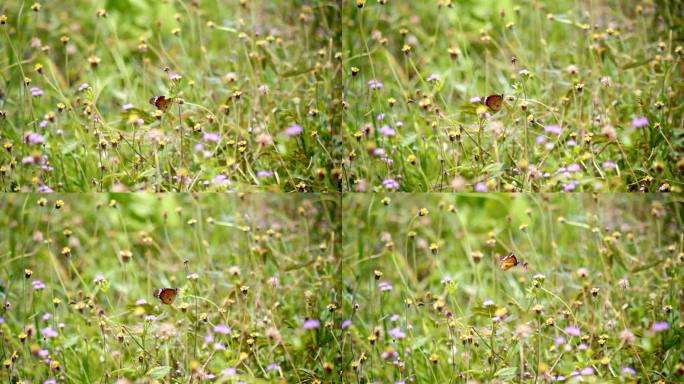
(494, 102)
(166, 295)
(165, 104)
(507, 262)
(161, 103)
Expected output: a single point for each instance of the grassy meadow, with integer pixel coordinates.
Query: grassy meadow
(250, 95)
(292, 191)
(592, 95)
(596, 296)
(256, 278)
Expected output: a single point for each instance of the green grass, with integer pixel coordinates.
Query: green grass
(247, 73)
(589, 68)
(591, 91)
(609, 265)
(152, 110)
(264, 264)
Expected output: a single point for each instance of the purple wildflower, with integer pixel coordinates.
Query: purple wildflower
(609, 164)
(48, 332)
(173, 75)
(311, 324)
(264, 174)
(574, 167)
(211, 136)
(639, 122)
(432, 78)
(230, 371)
(37, 285)
(346, 324)
(209, 338)
(273, 367)
(572, 331)
(45, 189)
(32, 160)
(374, 84)
(475, 99)
(396, 333)
(221, 180)
(628, 371)
(83, 87)
(43, 123)
(384, 286)
(570, 186)
(34, 138)
(481, 187)
(294, 130)
(127, 106)
(555, 129)
(587, 371)
(36, 92)
(659, 326)
(386, 130)
(390, 184)
(222, 329)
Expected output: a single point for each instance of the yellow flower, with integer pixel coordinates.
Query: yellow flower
(94, 61)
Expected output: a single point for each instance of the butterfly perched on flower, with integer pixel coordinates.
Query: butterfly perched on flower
(509, 261)
(161, 103)
(494, 102)
(166, 295)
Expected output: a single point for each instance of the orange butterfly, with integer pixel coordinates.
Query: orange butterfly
(166, 295)
(161, 103)
(509, 261)
(494, 102)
